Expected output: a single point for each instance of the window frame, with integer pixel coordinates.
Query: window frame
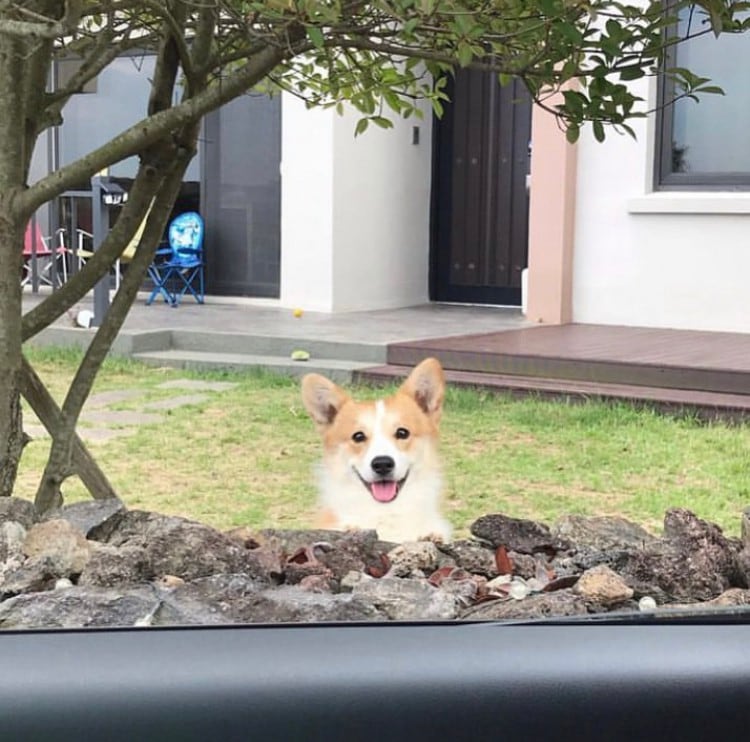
(664, 179)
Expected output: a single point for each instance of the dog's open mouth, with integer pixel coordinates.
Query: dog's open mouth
(383, 490)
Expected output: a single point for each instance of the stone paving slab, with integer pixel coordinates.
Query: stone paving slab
(198, 385)
(122, 417)
(104, 399)
(172, 403)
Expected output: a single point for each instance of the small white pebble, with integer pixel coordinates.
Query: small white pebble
(144, 621)
(518, 590)
(63, 583)
(646, 603)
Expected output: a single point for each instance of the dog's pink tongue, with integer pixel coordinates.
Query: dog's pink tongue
(384, 491)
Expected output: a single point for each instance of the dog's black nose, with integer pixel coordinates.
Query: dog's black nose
(383, 465)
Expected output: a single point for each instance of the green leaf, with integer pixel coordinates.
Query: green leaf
(382, 122)
(316, 36)
(598, 131)
(572, 132)
(632, 73)
(465, 54)
(361, 127)
(712, 89)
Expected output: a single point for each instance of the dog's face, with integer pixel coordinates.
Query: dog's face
(379, 446)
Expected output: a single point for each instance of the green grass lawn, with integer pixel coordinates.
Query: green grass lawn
(246, 456)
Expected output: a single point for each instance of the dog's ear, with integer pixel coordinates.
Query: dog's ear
(426, 385)
(322, 398)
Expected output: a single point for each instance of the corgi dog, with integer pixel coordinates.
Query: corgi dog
(381, 467)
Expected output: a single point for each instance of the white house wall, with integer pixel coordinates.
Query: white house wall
(355, 212)
(665, 259)
(381, 217)
(306, 206)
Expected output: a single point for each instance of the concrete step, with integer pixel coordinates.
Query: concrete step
(274, 345)
(135, 342)
(339, 371)
(705, 404)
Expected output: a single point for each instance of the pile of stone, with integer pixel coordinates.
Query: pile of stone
(99, 564)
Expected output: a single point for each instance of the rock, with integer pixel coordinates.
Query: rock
(471, 556)
(350, 579)
(290, 540)
(516, 534)
(27, 576)
(695, 562)
(317, 584)
(237, 599)
(539, 605)
(742, 567)
(76, 607)
(405, 600)
(12, 536)
(745, 529)
(303, 564)
(584, 558)
(733, 596)
(601, 533)
(601, 586)
(418, 558)
(90, 515)
(61, 543)
(110, 566)
(18, 510)
(460, 583)
(354, 550)
(182, 547)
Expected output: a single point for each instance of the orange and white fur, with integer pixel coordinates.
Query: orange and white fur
(381, 467)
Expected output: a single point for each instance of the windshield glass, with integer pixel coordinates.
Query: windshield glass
(373, 314)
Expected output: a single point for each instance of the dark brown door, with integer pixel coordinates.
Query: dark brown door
(480, 201)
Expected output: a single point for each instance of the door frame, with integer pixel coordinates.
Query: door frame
(441, 223)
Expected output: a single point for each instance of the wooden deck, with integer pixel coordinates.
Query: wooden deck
(674, 368)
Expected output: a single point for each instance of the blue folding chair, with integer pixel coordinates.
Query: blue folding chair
(178, 269)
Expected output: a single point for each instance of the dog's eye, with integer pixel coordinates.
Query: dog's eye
(402, 434)
(359, 437)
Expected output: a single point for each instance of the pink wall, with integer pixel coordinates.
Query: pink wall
(551, 221)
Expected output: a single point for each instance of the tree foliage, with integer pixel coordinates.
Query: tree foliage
(379, 56)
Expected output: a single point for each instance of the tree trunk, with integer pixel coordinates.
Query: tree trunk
(48, 412)
(60, 464)
(12, 169)
(11, 424)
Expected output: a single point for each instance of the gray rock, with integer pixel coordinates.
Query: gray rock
(182, 547)
(539, 605)
(413, 558)
(112, 566)
(76, 607)
(601, 586)
(20, 575)
(90, 515)
(365, 541)
(745, 529)
(12, 536)
(742, 568)
(16, 509)
(516, 534)
(237, 599)
(59, 542)
(601, 533)
(471, 556)
(695, 562)
(404, 600)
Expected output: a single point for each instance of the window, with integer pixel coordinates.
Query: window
(704, 145)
